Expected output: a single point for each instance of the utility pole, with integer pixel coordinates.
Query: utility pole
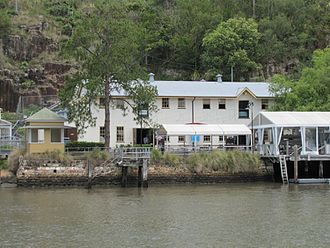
(254, 9)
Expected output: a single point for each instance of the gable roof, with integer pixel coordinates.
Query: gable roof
(45, 115)
(208, 89)
(293, 119)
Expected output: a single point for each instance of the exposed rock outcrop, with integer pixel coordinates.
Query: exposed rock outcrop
(34, 85)
(26, 48)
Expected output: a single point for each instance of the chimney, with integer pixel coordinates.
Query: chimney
(151, 77)
(219, 78)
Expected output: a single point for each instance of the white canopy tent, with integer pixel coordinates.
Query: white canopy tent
(311, 127)
(205, 129)
(211, 130)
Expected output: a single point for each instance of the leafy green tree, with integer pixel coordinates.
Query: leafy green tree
(5, 22)
(143, 101)
(232, 44)
(311, 92)
(193, 19)
(291, 31)
(106, 44)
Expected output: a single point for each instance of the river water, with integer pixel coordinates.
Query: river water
(222, 215)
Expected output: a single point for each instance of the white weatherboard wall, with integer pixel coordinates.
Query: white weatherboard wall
(191, 91)
(172, 115)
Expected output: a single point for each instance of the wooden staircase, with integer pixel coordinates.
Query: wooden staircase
(284, 170)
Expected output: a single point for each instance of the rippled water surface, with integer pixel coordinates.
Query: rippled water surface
(223, 215)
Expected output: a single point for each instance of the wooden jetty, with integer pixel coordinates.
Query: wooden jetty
(134, 157)
(297, 144)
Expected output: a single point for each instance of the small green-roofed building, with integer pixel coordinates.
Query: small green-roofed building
(44, 132)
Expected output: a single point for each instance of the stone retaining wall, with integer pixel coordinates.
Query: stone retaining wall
(78, 176)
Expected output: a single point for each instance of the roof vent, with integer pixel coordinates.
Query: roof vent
(151, 77)
(219, 78)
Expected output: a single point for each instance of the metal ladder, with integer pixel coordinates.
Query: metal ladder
(284, 170)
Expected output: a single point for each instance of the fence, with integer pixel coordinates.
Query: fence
(7, 144)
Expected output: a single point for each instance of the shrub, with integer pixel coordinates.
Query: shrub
(39, 159)
(67, 29)
(4, 164)
(156, 156)
(83, 144)
(171, 159)
(13, 160)
(99, 155)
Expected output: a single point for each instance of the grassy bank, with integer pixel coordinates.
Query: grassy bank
(229, 162)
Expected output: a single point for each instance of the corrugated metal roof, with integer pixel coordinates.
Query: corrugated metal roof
(206, 129)
(45, 115)
(208, 89)
(297, 118)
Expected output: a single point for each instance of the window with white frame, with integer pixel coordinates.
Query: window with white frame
(37, 135)
(206, 104)
(165, 103)
(181, 138)
(264, 104)
(222, 103)
(181, 103)
(207, 138)
(55, 135)
(120, 134)
(243, 110)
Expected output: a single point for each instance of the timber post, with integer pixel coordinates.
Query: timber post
(140, 176)
(145, 168)
(90, 174)
(295, 149)
(321, 169)
(124, 170)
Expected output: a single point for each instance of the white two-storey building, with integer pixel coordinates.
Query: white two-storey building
(181, 102)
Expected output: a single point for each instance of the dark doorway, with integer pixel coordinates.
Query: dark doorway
(242, 140)
(143, 136)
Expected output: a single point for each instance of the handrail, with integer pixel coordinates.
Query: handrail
(299, 148)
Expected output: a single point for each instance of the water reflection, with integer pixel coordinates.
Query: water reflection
(224, 215)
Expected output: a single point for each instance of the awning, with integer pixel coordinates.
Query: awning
(46, 127)
(204, 129)
(292, 119)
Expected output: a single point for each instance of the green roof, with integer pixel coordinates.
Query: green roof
(45, 115)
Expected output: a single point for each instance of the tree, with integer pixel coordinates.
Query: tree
(311, 92)
(232, 44)
(106, 44)
(5, 22)
(193, 19)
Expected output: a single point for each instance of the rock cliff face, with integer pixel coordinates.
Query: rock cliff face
(9, 95)
(44, 78)
(24, 49)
